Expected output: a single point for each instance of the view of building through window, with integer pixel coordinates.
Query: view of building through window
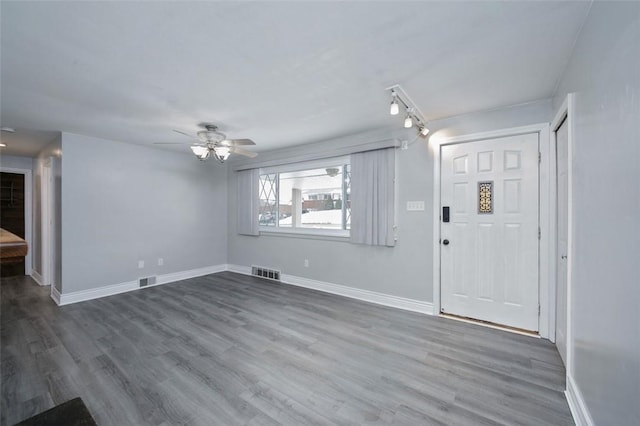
(315, 198)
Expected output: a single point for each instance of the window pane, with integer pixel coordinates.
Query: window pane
(268, 202)
(347, 191)
(311, 198)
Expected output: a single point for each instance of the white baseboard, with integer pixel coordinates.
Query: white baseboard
(37, 277)
(577, 405)
(55, 295)
(351, 292)
(110, 290)
(96, 293)
(239, 269)
(192, 273)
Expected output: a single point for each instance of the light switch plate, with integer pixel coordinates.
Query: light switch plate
(415, 206)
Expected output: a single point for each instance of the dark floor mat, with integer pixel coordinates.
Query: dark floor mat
(70, 413)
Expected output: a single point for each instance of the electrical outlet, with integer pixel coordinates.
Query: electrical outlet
(306, 263)
(140, 264)
(160, 261)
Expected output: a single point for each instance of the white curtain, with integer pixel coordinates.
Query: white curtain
(248, 202)
(373, 197)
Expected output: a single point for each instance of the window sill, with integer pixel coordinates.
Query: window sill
(308, 233)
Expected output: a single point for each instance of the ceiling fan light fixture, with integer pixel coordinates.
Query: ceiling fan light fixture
(202, 152)
(221, 152)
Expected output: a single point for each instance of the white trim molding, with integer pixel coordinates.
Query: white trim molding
(55, 295)
(545, 286)
(578, 407)
(95, 293)
(37, 277)
(341, 290)
(350, 292)
(566, 111)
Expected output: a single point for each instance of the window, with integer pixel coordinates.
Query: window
(312, 197)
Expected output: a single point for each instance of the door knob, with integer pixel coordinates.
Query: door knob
(563, 256)
(445, 242)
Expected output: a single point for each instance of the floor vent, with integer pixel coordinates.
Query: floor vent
(147, 281)
(271, 274)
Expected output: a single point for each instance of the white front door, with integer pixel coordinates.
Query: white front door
(562, 140)
(489, 245)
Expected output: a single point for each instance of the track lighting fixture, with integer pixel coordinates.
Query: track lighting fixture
(395, 108)
(414, 117)
(408, 121)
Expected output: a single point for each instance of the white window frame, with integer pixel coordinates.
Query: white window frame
(339, 234)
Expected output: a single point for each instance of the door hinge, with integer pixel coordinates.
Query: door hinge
(538, 309)
(539, 157)
(539, 233)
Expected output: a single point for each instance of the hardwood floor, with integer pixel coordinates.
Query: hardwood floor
(231, 349)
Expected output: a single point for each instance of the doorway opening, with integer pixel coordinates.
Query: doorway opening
(15, 216)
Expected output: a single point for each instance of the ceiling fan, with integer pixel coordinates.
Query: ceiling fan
(210, 140)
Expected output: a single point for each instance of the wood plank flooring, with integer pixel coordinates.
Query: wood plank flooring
(230, 349)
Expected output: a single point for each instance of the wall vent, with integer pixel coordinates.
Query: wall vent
(147, 281)
(262, 272)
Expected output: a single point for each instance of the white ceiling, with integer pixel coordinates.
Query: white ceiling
(281, 73)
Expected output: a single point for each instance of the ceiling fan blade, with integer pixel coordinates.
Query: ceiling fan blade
(186, 134)
(241, 151)
(242, 142)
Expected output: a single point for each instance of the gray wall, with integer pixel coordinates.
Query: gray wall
(16, 162)
(405, 270)
(604, 71)
(122, 203)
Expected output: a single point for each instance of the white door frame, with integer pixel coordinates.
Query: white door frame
(45, 222)
(546, 323)
(28, 214)
(566, 110)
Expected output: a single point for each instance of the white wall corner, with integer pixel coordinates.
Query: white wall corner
(577, 405)
(55, 295)
(37, 277)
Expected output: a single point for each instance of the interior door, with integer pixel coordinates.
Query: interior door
(562, 165)
(489, 241)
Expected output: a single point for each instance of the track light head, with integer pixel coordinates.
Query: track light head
(395, 108)
(423, 131)
(408, 121)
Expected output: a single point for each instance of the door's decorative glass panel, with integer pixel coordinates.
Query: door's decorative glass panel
(485, 197)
